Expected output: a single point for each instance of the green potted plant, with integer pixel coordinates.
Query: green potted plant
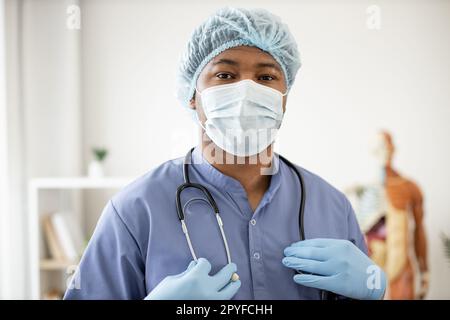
(96, 169)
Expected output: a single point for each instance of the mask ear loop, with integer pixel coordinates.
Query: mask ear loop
(199, 122)
(282, 115)
(197, 119)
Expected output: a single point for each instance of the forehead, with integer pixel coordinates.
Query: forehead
(245, 56)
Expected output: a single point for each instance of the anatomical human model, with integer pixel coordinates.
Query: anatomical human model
(390, 213)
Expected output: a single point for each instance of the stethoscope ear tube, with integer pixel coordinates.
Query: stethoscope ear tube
(180, 212)
(188, 239)
(324, 295)
(198, 186)
(301, 212)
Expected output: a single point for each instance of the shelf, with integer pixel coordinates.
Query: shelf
(51, 267)
(79, 182)
(52, 264)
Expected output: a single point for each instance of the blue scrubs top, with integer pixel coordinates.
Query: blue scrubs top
(138, 240)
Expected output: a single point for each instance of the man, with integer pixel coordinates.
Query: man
(235, 74)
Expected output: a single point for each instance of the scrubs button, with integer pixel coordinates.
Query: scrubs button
(253, 222)
(256, 255)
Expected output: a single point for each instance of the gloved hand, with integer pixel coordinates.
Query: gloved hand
(195, 283)
(337, 266)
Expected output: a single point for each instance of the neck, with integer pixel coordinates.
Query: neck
(390, 172)
(387, 172)
(247, 170)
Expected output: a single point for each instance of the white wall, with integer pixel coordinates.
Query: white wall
(43, 116)
(13, 223)
(4, 164)
(51, 89)
(51, 99)
(353, 82)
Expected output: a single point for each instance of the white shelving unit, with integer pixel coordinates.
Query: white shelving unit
(36, 261)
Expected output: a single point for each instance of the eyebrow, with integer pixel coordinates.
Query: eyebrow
(226, 61)
(258, 65)
(268, 65)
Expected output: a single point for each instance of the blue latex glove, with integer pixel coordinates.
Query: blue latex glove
(195, 283)
(337, 266)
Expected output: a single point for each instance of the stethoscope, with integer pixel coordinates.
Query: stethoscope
(325, 295)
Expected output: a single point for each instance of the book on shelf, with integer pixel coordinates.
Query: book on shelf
(62, 241)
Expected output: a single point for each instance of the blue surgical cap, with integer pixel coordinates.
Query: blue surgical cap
(233, 27)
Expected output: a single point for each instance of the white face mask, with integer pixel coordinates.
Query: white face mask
(243, 118)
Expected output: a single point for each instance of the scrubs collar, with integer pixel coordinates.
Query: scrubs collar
(223, 182)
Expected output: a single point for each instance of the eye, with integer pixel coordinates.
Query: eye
(266, 77)
(224, 76)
